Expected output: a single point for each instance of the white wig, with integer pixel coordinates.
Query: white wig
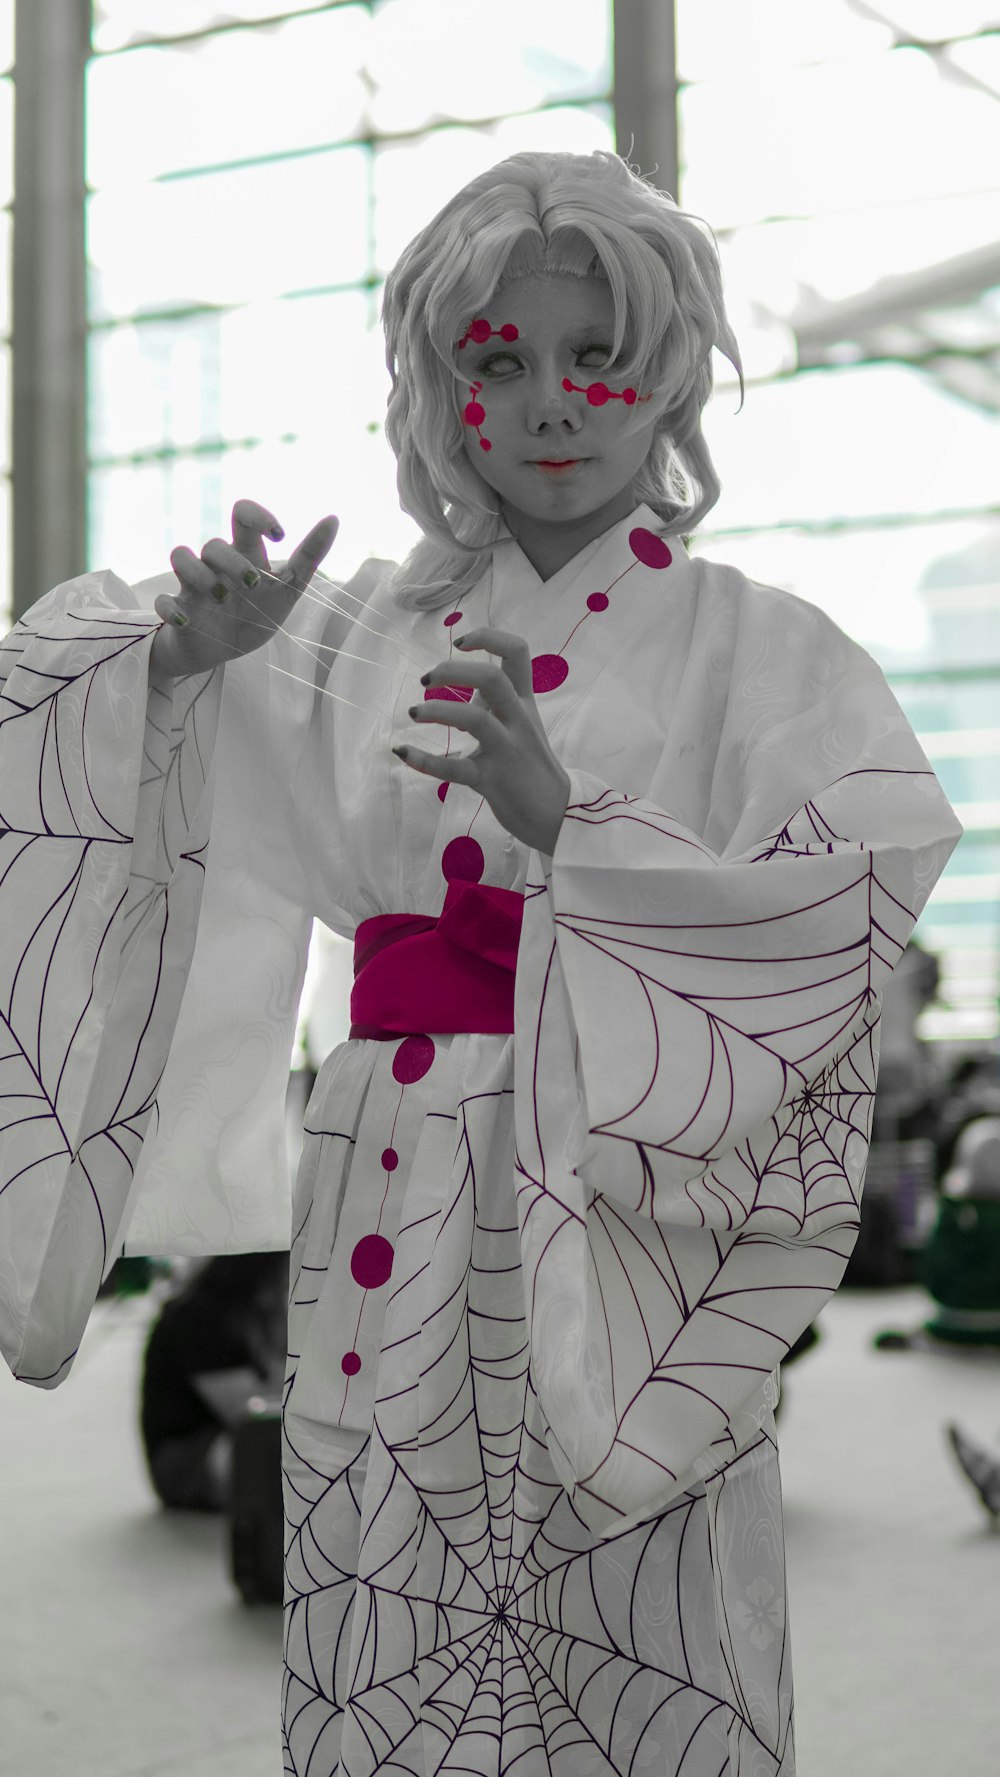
(584, 214)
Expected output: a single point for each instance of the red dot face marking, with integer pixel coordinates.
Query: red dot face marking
(480, 331)
(598, 394)
(648, 548)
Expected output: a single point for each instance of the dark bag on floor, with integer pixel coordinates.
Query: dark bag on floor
(256, 1520)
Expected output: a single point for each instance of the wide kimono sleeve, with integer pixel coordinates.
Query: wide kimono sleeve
(153, 943)
(697, 1052)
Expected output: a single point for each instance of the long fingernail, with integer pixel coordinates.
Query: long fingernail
(250, 578)
(178, 618)
(277, 533)
(220, 593)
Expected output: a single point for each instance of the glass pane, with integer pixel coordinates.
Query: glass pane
(777, 265)
(120, 22)
(6, 559)
(980, 57)
(242, 95)
(870, 440)
(920, 572)
(272, 369)
(140, 512)
(932, 20)
(230, 237)
(6, 141)
(415, 179)
(6, 272)
(912, 135)
(528, 57)
(6, 407)
(717, 40)
(921, 598)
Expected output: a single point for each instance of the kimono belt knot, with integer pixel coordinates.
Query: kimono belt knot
(417, 974)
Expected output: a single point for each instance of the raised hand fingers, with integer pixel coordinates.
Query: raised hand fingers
(194, 574)
(315, 545)
(251, 523)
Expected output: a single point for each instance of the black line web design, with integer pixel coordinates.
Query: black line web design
(556, 1543)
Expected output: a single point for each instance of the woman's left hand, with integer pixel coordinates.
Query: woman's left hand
(515, 769)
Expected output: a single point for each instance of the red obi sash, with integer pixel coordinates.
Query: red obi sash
(417, 974)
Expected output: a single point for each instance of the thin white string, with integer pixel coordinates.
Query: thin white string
(319, 598)
(329, 604)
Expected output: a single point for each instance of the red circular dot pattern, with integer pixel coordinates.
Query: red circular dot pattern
(390, 1159)
(548, 672)
(462, 861)
(350, 1363)
(598, 601)
(371, 1261)
(597, 395)
(453, 617)
(475, 413)
(648, 548)
(413, 1059)
(442, 791)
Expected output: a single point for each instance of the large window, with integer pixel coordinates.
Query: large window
(249, 187)
(848, 158)
(253, 171)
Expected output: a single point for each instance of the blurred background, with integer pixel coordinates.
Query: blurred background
(199, 207)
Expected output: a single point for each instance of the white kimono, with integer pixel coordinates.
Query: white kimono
(541, 1283)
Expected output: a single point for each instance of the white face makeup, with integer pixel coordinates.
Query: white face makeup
(534, 422)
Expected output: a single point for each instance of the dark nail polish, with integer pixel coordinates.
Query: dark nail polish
(426, 679)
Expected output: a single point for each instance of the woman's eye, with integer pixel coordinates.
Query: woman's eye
(601, 352)
(495, 358)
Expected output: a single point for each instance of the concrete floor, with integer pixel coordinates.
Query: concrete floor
(126, 1652)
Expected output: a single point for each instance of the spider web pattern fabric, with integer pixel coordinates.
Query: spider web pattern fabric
(489, 1630)
(690, 1201)
(541, 1283)
(103, 832)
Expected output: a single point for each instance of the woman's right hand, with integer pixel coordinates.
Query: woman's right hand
(224, 616)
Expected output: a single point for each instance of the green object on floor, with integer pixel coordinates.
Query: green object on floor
(960, 1267)
(133, 1277)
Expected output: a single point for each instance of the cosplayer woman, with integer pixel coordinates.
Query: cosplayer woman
(628, 846)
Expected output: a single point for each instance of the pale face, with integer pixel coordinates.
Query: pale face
(565, 327)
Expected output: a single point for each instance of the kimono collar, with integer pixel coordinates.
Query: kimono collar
(515, 579)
